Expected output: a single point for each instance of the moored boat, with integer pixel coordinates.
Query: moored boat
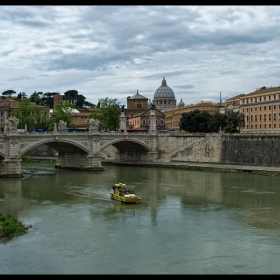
(123, 193)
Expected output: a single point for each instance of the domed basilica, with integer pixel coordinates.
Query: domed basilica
(164, 98)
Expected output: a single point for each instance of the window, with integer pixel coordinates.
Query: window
(256, 117)
(260, 117)
(143, 121)
(251, 118)
(264, 117)
(274, 107)
(264, 107)
(256, 126)
(260, 108)
(269, 107)
(251, 109)
(265, 126)
(274, 125)
(138, 105)
(255, 108)
(260, 126)
(270, 125)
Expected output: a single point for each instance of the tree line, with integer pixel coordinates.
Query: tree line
(203, 121)
(46, 99)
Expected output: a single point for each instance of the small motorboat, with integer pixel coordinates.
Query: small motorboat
(123, 193)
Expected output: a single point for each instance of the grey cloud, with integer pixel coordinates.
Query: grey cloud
(5, 53)
(21, 78)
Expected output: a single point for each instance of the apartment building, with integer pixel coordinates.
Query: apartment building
(261, 109)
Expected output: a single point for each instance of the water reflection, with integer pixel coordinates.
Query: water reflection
(187, 222)
(258, 195)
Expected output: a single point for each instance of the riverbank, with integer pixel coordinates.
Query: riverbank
(215, 167)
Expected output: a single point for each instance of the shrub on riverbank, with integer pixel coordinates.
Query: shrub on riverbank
(11, 227)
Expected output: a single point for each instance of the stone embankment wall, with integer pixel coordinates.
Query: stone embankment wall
(253, 149)
(207, 148)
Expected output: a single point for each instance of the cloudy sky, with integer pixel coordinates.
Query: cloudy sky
(111, 51)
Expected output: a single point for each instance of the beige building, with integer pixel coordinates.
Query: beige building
(136, 104)
(141, 122)
(262, 110)
(172, 117)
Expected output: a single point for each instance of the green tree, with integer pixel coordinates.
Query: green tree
(71, 95)
(108, 114)
(217, 122)
(47, 98)
(89, 104)
(235, 121)
(195, 121)
(62, 111)
(80, 101)
(36, 97)
(8, 93)
(30, 114)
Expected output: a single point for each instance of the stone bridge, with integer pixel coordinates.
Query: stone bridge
(80, 150)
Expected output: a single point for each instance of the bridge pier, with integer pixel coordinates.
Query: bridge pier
(79, 162)
(11, 168)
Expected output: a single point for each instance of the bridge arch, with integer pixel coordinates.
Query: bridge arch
(129, 149)
(62, 146)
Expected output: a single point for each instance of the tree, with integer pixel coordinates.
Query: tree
(71, 95)
(30, 114)
(80, 101)
(8, 93)
(217, 122)
(47, 98)
(195, 121)
(89, 104)
(235, 121)
(108, 114)
(36, 97)
(62, 111)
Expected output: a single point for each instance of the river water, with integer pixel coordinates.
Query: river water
(188, 222)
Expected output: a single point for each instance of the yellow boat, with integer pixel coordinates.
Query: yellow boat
(122, 193)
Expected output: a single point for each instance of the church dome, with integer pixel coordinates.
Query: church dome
(181, 103)
(164, 91)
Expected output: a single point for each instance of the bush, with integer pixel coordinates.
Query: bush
(12, 227)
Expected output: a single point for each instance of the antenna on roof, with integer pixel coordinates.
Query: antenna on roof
(220, 97)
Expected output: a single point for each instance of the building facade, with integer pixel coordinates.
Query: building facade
(141, 122)
(136, 104)
(261, 109)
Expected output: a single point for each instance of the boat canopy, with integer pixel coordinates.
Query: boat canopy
(120, 185)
